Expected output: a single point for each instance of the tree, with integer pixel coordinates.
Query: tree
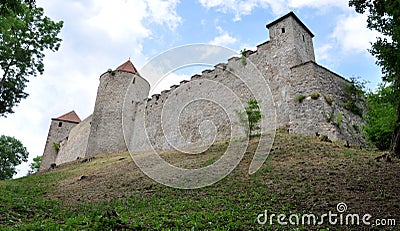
(12, 153)
(250, 117)
(35, 165)
(381, 117)
(384, 17)
(25, 33)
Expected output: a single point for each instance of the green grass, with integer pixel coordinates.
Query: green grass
(301, 175)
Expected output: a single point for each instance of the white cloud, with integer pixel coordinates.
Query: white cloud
(352, 35)
(163, 12)
(318, 3)
(322, 53)
(167, 81)
(223, 39)
(239, 7)
(120, 19)
(97, 35)
(245, 7)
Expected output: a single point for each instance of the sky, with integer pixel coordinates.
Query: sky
(102, 34)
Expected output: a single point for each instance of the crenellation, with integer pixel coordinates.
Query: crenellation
(286, 61)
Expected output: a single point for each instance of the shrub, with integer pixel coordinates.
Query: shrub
(300, 98)
(353, 107)
(111, 72)
(56, 146)
(315, 95)
(339, 119)
(329, 100)
(243, 56)
(250, 117)
(354, 94)
(381, 117)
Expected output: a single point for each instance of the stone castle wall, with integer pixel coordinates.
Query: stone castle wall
(106, 133)
(200, 111)
(75, 145)
(59, 131)
(322, 115)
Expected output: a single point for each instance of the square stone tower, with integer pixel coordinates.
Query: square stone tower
(60, 128)
(291, 37)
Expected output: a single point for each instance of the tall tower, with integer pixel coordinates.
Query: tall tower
(293, 38)
(60, 128)
(106, 133)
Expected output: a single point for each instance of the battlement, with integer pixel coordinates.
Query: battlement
(287, 63)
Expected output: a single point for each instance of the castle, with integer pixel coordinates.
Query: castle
(308, 99)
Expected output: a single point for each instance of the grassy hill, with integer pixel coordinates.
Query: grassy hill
(302, 175)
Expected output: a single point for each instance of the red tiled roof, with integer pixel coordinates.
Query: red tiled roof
(128, 67)
(69, 117)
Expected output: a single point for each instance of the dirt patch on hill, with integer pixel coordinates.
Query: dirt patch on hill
(301, 171)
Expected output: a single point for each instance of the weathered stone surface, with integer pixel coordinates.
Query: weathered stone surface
(106, 133)
(59, 131)
(75, 145)
(202, 110)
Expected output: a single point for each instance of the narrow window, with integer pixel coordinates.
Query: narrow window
(59, 124)
(304, 38)
(283, 30)
(133, 81)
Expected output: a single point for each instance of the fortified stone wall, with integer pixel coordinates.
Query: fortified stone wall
(203, 110)
(287, 63)
(326, 114)
(75, 145)
(106, 134)
(59, 130)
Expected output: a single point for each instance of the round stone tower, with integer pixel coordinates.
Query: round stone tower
(106, 133)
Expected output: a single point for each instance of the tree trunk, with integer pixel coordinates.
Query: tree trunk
(395, 144)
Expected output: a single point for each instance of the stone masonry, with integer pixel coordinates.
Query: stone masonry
(286, 61)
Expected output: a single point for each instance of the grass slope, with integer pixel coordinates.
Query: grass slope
(301, 175)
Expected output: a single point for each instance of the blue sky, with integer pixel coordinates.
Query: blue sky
(102, 34)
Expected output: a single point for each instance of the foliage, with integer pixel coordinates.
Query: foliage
(381, 117)
(243, 56)
(12, 153)
(329, 100)
(315, 95)
(300, 98)
(354, 93)
(25, 33)
(56, 146)
(35, 165)
(250, 117)
(110, 71)
(384, 17)
(103, 203)
(339, 119)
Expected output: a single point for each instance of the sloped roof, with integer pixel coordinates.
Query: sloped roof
(128, 67)
(69, 117)
(293, 15)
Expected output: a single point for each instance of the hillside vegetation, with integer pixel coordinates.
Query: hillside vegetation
(301, 175)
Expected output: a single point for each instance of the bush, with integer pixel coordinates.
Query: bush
(381, 117)
(354, 93)
(56, 146)
(300, 98)
(243, 56)
(250, 117)
(339, 119)
(329, 100)
(315, 95)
